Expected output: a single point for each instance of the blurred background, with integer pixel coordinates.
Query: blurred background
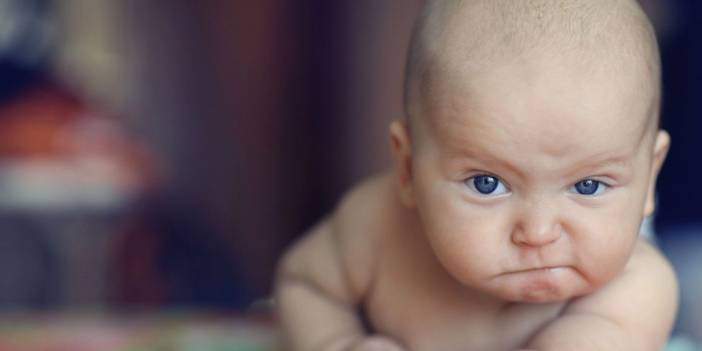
(159, 155)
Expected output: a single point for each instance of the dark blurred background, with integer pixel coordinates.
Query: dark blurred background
(162, 153)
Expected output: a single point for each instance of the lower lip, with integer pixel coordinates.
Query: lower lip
(542, 273)
(539, 284)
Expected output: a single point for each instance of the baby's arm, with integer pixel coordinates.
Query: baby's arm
(633, 312)
(322, 280)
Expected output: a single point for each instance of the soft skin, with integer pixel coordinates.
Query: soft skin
(511, 218)
(535, 238)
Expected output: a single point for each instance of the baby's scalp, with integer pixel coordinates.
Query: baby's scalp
(457, 41)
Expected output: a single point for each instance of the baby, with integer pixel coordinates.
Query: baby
(523, 170)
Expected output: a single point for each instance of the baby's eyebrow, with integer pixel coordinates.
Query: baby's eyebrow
(489, 158)
(591, 163)
(594, 163)
(618, 160)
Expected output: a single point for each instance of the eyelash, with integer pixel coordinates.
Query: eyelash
(601, 187)
(472, 184)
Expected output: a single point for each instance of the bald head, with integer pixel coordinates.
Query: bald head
(462, 39)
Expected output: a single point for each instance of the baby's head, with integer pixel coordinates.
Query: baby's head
(531, 145)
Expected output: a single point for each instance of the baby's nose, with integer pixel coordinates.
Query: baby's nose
(537, 226)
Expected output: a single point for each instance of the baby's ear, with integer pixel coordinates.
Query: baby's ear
(660, 150)
(402, 153)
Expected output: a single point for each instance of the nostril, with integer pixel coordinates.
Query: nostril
(536, 235)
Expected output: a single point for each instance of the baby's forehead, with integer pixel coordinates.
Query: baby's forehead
(520, 108)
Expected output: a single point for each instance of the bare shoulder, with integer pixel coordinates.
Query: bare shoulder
(635, 311)
(364, 220)
(641, 302)
(340, 251)
(648, 280)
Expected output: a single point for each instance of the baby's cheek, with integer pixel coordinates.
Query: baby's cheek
(606, 261)
(469, 255)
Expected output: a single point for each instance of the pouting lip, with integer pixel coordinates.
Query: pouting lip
(537, 269)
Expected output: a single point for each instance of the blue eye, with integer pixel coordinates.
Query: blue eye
(486, 185)
(588, 187)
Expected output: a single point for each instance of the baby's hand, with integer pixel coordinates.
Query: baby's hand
(376, 343)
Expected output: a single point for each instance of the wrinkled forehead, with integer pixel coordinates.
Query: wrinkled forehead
(549, 105)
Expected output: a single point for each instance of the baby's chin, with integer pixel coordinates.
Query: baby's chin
(540, 286)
